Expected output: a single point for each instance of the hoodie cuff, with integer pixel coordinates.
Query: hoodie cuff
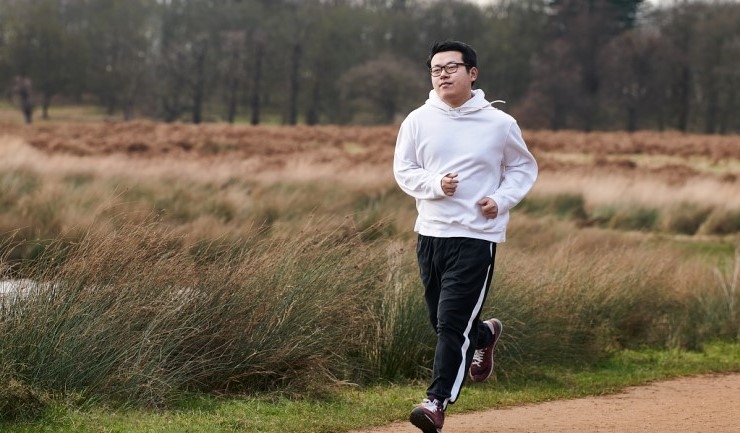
(438, 192)
(500, 203)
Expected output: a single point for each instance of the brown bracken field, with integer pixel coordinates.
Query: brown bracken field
(671, 159)
(671, 154)
(605, 169)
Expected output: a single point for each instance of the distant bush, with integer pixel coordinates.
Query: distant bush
(684, 218)
(634, 218)
(721, 222)
(562, 205)
(601, 216)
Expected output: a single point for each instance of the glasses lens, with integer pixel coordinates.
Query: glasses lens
(436, 71)
(451, 68)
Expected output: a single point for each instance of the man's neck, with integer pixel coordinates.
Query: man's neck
(453, 104)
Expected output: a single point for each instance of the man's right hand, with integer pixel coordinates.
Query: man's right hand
(449, 184)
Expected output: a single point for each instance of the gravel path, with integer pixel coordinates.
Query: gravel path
(709, 403)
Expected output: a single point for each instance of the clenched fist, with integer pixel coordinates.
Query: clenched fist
(449, 184)
(488, 207)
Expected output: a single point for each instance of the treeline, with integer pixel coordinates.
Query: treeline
(559, 64)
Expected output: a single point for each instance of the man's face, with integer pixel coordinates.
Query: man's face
(453, 88)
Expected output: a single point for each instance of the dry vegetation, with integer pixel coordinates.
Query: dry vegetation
(669, 157)
(608, 171)
(270, 225)
(217, 180)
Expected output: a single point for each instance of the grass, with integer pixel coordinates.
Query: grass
(351, 408)
(676, 218)
(248, 281)
(139, 317)
(57, 113)
(139, 314)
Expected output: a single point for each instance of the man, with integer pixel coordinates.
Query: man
(466, 165)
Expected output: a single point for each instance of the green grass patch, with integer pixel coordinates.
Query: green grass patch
(634, 218)
(353, 408)
(562, 205)
(721, 222)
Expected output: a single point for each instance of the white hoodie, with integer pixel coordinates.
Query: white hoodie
(483, 145)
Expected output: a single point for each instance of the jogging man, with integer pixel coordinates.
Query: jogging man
(467, 165)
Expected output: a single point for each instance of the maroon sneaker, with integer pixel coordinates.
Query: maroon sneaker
(429, 416)
(482, 365)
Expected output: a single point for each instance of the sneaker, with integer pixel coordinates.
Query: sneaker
(429, 416)
(482, 365)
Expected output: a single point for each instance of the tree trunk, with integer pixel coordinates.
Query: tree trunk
(257, 82)
(557, 121)
(295, 66)
(312, 114)
(233, 88)
(199, 87)
(684, 87)
(726, 114)
(232, 101)
(23, 88)
(710, 119)
(45, 103)
(631, 119)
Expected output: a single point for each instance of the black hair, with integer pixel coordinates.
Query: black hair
(470, 57)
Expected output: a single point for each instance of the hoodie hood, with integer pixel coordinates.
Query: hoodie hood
(476, 103)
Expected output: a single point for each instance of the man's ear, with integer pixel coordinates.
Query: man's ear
(473, 73)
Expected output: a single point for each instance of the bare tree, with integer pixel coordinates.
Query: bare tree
(714, 60)
(553, 91)
(23, 88)
(257, 61)
(378, 90)
(629, 69)
(234, 43)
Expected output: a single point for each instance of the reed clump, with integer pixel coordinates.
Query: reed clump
(683, 218)
(133, 315)
(18, 401)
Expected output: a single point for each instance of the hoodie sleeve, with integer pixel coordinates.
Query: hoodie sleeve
(519, 171)
(413, 179)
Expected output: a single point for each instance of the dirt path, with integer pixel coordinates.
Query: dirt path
(696, 404)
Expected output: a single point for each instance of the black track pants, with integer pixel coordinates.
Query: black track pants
(456, 274)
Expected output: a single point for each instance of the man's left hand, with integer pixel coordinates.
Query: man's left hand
(488, 207)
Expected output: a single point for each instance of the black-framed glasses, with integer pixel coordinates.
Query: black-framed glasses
(450, 68)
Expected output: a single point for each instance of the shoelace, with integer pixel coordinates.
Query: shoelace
(478, 357)
(432, 406)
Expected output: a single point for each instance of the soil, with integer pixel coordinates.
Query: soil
(709, 403)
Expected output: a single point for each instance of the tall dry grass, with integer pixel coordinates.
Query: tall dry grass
(138, 314)
(585, 292)
(239, 264)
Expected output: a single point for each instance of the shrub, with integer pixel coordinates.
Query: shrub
(684, 218)
(132, 316)
(580, 300)
(721, 222)
(634, 218)
(370, 214)
(723, 304)
(601, 216)
(562, 205)
(399, 338)
(17, 183)
(19, 402)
